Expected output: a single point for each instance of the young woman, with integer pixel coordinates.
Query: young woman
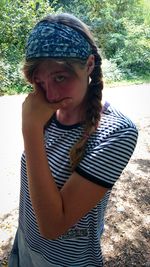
(76, 147)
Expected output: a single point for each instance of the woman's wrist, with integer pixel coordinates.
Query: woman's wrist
(32, 128)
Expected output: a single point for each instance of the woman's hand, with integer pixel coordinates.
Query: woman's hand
(36, 110)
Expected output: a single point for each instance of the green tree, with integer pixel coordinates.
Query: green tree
(122, 32)
(121, 29)
(17, 18)
(16, 22)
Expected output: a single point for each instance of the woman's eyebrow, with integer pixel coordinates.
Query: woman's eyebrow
(66, 70)
(57, 72)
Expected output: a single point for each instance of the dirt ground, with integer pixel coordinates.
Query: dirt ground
(126, 240)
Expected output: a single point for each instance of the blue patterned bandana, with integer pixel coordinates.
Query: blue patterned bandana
(56, 40)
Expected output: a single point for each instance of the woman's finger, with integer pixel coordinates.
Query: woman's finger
(61, 104)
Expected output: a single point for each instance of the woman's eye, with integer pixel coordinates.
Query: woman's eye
(60, 78)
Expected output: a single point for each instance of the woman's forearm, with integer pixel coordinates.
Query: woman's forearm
(45, 197)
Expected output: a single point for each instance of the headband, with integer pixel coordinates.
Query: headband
(56, 40)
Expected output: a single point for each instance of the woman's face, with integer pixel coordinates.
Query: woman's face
(59, 81)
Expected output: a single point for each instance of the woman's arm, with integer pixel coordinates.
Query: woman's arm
(56, 211)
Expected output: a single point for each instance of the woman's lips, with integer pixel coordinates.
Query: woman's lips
(57, 100)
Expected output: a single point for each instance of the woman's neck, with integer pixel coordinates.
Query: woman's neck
(69, 117)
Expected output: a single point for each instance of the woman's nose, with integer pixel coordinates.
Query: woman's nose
(52, 93)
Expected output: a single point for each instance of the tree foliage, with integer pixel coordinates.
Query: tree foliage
(17, 18)
(121, 29)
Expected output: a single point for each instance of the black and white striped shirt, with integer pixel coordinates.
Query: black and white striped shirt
(107, 153)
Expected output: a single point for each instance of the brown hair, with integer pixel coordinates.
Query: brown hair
(94, 92)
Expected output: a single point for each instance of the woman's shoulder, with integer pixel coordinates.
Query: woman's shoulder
(113, 118)
(113, 125)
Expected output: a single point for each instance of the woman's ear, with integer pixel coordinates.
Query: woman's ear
(90, 64)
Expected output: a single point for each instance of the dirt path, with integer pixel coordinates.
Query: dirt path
(125, 241)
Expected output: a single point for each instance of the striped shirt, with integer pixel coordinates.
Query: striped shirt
(107, 153)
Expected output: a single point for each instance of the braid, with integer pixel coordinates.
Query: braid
(92, 116)
(94, 94)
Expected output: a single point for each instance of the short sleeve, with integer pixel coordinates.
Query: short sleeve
(104, 163)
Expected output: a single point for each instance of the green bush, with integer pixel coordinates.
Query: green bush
(11, 79)
(111, 72)
(134, 57)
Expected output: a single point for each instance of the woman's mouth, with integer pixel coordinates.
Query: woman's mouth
(55, 101)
